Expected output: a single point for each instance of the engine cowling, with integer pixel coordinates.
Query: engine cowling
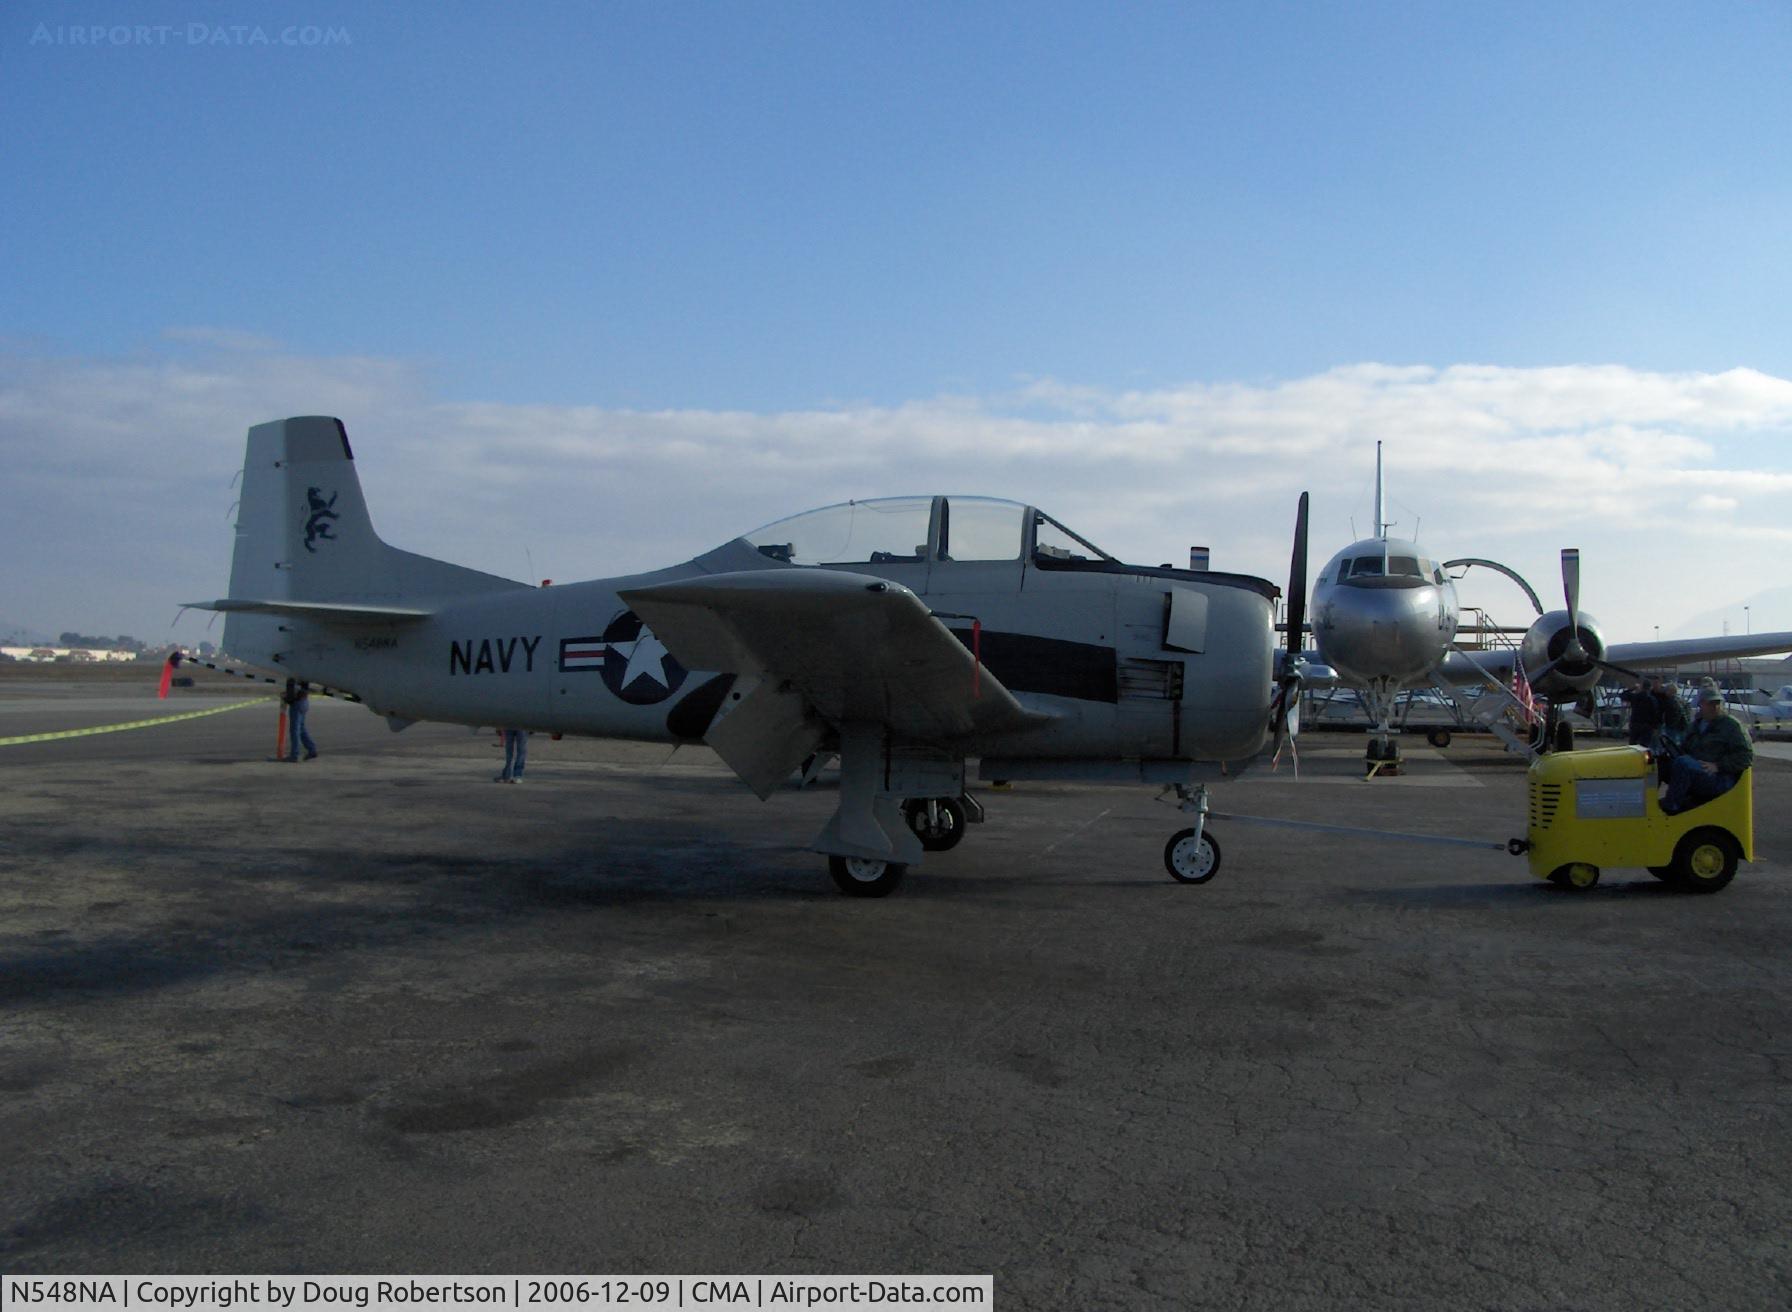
(1551, 670)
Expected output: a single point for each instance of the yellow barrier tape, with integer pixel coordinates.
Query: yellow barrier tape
(134, 724)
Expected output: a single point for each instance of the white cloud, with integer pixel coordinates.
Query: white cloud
(124, 465)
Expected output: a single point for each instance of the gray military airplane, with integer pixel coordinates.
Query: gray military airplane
(903, 634)
(1385, 616)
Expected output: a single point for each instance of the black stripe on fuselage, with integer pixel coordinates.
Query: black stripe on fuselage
(1024, 663)
(1248, 582)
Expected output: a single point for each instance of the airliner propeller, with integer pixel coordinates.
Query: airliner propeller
(1566, 646)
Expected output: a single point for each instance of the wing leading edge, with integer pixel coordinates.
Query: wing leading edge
(1457, 668)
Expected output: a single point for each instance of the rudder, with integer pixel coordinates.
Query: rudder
(303, 534)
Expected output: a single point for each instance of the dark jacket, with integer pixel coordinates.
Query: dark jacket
(1645, 711)
(1722, 741)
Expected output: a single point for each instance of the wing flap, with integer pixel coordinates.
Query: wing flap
(854, 646)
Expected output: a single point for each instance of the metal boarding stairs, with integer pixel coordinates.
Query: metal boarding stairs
(1497, 708)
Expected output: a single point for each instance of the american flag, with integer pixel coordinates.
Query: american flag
(1521, 689)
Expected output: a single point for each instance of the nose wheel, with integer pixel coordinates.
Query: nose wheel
(1192, 856)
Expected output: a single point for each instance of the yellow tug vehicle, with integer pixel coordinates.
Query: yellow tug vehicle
(1595, 809)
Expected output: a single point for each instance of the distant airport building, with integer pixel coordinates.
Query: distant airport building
(68, 655)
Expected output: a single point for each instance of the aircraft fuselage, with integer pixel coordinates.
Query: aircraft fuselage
(1088, 645)
(1384, 613)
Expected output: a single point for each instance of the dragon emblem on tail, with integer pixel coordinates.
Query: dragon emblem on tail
(317, 527)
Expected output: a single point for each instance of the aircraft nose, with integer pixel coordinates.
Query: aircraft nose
(1369, 633)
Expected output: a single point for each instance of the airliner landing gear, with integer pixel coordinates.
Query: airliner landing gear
(1382, 756)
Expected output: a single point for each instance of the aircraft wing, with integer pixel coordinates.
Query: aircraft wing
(853, 647)
(1457, 668)
(1677, 651)
(326, 611)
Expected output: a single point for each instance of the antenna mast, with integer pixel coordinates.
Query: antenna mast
(1381, 528)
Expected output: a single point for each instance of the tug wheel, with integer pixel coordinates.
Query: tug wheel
(1576, 875)
(1706, 860)
(1190, 862)
(1438, 737)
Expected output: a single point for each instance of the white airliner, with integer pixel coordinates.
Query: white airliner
(1385, 617)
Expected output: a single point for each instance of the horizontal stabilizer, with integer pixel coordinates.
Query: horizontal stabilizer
(325, 612)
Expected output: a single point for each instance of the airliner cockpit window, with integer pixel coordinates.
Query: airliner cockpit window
(1404, 567)
(1366, 567)
(885, 531)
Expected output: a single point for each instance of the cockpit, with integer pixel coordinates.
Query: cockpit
(1371, 565)
(915, 530)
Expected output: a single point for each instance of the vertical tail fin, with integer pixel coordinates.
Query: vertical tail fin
(303, 535)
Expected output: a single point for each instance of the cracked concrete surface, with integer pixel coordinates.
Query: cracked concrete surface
(374, 1013)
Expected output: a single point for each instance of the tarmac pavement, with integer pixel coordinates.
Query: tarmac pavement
(376, 1013)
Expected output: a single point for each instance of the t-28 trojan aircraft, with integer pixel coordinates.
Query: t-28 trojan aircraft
(904, 634)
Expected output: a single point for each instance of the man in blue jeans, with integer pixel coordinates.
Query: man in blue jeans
(516, 755)
(1712, 756)
(297, 699)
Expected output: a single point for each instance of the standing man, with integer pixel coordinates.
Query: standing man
(1712, 758)
(1645, 711)
(297, 699)
(1673, 714)
(516, 755)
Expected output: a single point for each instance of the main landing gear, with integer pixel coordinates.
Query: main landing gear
(938, 823)
(865, 876)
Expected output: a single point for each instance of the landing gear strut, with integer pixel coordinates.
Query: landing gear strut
(1382, 755)
(1192, 856)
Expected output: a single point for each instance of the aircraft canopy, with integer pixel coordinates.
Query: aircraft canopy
(891, 530)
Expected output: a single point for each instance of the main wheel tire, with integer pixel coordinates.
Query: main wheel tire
(946, 833)
(1706, 860)
(1190, 862)
(1438, 737)
(864, 876)
(1564, 737)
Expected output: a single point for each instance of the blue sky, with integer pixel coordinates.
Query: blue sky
(1023, 212)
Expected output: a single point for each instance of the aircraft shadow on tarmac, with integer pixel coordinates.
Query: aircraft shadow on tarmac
(636, 863)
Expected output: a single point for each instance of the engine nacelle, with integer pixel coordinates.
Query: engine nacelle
(1542, 650)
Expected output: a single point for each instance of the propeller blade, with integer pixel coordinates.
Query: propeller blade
(1287, 717)
(1545, 672)
(1571, 594)
(1297, 581)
